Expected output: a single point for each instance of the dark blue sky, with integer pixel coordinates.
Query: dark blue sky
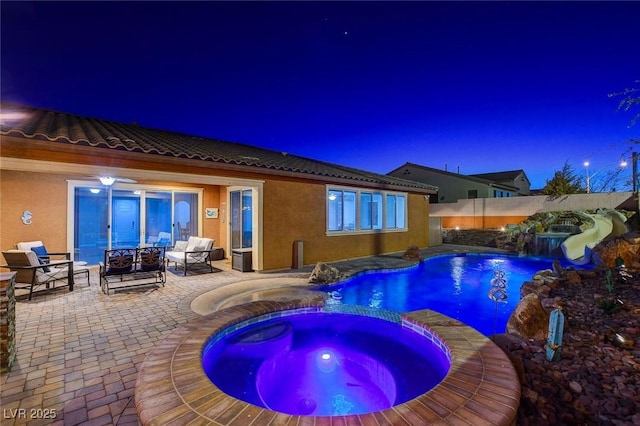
(480, 86)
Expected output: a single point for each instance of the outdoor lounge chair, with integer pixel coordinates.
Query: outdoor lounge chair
(192, 252)
(46, 256)
(31, 272)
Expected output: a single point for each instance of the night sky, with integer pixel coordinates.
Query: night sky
(482, 87)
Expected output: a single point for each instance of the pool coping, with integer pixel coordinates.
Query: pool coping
(481, 388)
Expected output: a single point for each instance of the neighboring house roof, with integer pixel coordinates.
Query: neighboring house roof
(46, 125)
(473, 178)
(510, 175)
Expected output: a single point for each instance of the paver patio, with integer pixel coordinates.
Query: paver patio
(78, 353)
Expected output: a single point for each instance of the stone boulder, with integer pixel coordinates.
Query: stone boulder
(535, 287)
(573, 277)
(529, 319)
(627, 247)
(413, 252)
(325, 274)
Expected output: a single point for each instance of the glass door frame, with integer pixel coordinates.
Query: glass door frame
(256, 219)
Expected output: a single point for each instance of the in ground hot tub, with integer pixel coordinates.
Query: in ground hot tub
(480, 388)
(310, 362)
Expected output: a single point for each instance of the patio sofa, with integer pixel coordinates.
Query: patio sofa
(194, 251)
(132, 267)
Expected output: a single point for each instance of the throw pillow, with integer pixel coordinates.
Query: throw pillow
(42, 254)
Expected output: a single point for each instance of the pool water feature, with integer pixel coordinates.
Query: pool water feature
(306, 362)
(455, 285)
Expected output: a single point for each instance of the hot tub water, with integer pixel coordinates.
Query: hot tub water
(325, 364)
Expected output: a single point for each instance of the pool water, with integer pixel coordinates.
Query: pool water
(455, 285)
(325, 364)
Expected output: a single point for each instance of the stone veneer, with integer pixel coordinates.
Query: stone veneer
(7, 321)
(481, 387)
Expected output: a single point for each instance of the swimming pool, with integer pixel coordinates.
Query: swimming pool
(455, 285)
(309, 362)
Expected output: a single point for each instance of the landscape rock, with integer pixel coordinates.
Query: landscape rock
(596, 381)
(573, 277)
(325, 274)
(529, 319)
(625, 247)
(413, 252)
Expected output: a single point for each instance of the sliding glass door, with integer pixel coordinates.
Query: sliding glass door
(125, 218)
(158, 218)
(91, 224)
(106, 218)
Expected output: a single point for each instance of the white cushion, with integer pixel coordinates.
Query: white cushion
(26, 246)
(180, 246)
(194, 242)
(33, 257)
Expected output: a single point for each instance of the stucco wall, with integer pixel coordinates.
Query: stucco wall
(292, 210)
(45, 196)
(297, 211)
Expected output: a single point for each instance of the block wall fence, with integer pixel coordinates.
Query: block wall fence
(495, 213)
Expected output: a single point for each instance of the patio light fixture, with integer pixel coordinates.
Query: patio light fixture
(107, 180)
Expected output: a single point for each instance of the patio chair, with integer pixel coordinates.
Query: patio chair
(79, 267)
(32, 273)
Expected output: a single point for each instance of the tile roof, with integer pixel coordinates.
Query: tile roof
(500, 176)
(46, 125)
(473, 178)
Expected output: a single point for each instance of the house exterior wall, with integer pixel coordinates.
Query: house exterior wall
(451, 186)
(292, 210)
(45, 196)
(522, 183)
(295, 210)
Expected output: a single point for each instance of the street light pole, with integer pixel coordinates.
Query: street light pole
(586, 164)
(634, 171)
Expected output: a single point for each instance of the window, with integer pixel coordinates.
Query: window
(370, 210)
(396, 211)
(342, 210)
(472, 193)
(353, 210)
